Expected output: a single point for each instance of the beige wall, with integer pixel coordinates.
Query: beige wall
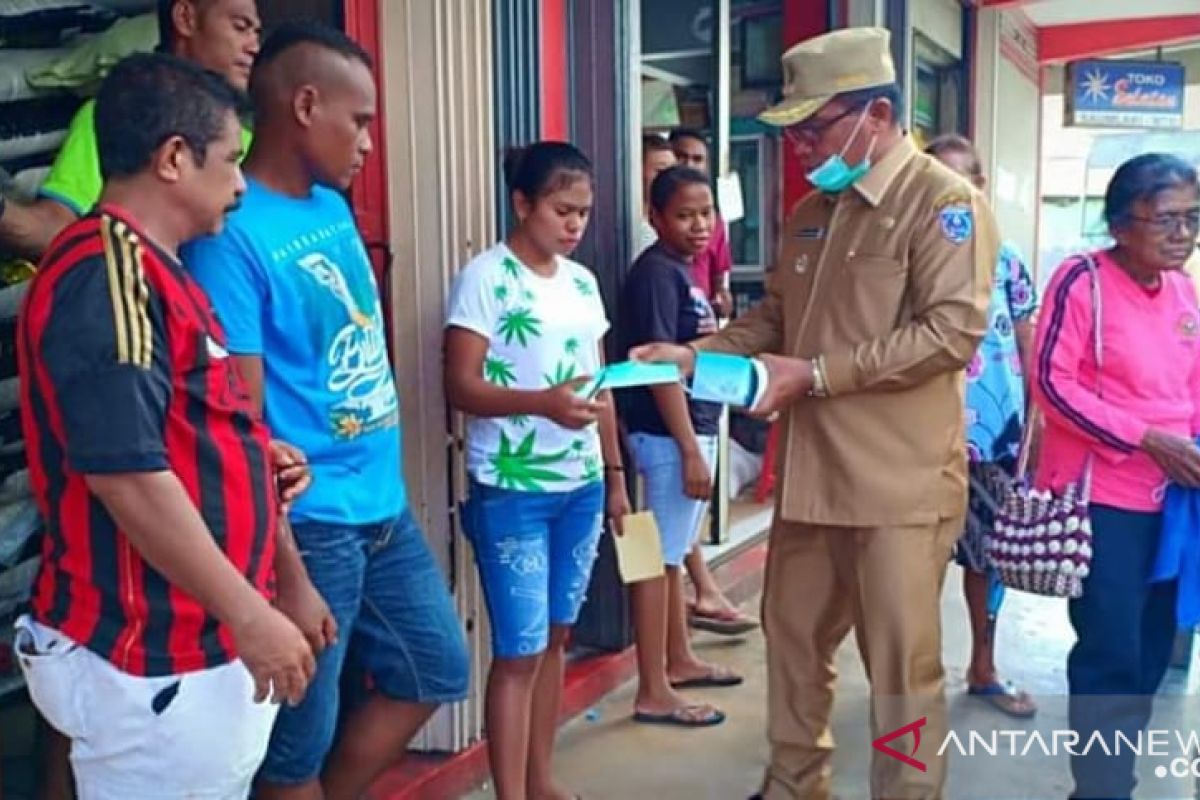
(864, 13)
(437, 60)
(1006, 97)
(941, 21)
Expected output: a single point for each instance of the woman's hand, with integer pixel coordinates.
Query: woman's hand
(617, 505)
(1177, 455)
(566, 407)
(697, 479)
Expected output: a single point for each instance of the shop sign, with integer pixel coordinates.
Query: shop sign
(1125, 94)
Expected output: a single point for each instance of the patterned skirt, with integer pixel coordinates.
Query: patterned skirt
(988, 481)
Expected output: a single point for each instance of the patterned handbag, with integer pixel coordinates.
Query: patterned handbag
(1042, 539)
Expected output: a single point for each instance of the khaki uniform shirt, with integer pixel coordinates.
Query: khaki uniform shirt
(889, 283)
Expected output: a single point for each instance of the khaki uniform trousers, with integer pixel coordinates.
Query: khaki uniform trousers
(886, 584)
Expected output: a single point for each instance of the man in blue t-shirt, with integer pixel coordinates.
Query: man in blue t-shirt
(293, 287)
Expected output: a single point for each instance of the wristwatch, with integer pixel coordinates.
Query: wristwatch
(819, 388)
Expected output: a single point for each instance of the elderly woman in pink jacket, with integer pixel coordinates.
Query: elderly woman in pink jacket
(1133, 417)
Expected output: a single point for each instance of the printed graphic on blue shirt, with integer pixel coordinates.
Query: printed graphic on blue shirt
(291, 281)
(346, 322)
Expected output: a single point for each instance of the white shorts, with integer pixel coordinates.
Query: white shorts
(199, 735)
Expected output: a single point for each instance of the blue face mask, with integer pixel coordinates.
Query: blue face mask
(834, 175)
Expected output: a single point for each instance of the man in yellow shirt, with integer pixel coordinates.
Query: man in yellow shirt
(219, 35)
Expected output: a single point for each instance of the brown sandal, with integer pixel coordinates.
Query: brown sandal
(726, 622)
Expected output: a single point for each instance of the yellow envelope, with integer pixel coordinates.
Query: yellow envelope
(639, 550)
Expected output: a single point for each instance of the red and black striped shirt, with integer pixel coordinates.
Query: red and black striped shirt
(125, 370)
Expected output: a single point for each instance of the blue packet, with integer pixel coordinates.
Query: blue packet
(626, 374)
(727, 379)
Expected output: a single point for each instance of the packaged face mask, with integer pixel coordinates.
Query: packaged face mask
(730, 380)
(626, 374)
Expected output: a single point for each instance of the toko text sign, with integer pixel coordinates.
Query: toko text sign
(1125, 94)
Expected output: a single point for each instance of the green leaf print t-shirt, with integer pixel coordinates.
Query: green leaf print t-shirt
(540, 332)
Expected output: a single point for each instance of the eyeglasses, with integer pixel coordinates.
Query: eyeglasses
(811, 129)
(1172, 221)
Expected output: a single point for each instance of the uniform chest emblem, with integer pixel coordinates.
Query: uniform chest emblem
(1188, 326)
(801, 265)
(810, 233)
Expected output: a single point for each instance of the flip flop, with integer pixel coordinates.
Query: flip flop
(680, 717)
(712, 679)
(726, 622)
(1002, 696)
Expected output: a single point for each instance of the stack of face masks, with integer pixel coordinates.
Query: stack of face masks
(718, 378)
(730, 380)
(628, 374)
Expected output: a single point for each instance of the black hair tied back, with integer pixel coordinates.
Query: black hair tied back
(543, 167)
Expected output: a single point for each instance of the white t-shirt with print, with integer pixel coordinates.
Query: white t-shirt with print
(541, 332)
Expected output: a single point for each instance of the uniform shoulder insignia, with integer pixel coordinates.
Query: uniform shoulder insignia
(955, 216)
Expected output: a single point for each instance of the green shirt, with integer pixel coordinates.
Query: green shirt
(75, 180)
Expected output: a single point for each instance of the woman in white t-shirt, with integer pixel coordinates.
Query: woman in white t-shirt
(523, 335)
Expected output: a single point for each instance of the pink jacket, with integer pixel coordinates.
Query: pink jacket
(1151, 378)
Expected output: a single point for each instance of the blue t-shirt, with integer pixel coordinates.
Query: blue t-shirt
(290, 281)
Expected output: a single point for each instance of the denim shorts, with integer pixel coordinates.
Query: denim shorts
(396, 621)
(677, 516)
(535, 552)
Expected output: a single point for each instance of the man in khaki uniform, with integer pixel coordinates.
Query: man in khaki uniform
(875, 306)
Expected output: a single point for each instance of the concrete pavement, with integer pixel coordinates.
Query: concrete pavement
(605, 755)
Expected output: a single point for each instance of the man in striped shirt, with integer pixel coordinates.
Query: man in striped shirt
(152, 642)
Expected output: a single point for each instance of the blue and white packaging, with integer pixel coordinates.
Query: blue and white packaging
(727, 379)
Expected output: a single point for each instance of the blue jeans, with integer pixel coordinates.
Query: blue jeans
(395, 620)
(1126, 629)
(535, 552)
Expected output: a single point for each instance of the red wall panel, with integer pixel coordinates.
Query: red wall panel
(556, 123)
(368, 195)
